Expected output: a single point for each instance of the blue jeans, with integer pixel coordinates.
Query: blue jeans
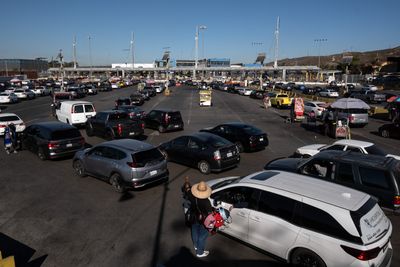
(199, 237)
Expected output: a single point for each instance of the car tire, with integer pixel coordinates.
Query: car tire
(385, 133)
(78, 167)
(161, 129)
(278, 105)
(305, 257)
(89, 130)
(204, 167)
(240, 147)
(40, 153)
(115, 181)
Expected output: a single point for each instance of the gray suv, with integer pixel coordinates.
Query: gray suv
(124, 163)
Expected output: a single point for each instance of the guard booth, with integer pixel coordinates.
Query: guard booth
(205, 98)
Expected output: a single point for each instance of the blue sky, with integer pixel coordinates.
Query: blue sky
(39, 28)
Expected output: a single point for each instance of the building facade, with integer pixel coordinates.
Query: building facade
(31, 67)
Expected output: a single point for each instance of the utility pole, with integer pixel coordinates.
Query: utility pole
(196, 55)
(132, 51)
(74, 51)
(61, 58)
(319, 41)
(276, 43)
(90, 58)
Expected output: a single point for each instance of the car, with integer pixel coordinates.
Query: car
(124, 163)
(24, 94)
(113, 124)
(343, 145)
(11, 118)
(74, 112)
(41, 91)
(317, 106)
(76, 91)
(328, 93)
(123, 102)
(134, 112)
(375, 175)
(257, 94)
(246, 137)
(137, 99)
(91, 90)
(244, 91)
(279, 100)
(151, 90)
(8, 98)
(51, 140)
(104, 87)
(390, 130)
(204, 151)
(159, 88)
(304, 221)
(164, 120)
(309, 91)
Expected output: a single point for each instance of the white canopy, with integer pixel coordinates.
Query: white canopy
(346, 103)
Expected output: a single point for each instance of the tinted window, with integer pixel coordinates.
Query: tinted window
(318, 220)
(78, 109)
(118, 116)
(344, 173)
(193, 144)
(276, 205)
(98, 151)
(334, 147)
(65, 134)
(318, 168)
(114, 153)
(354, 149)
(89, 108)
(143, 157)
(374, 177)
(239, 196)
(217, 142)
(180, 141)
(9, 118)
(374, 150)
(252, 130)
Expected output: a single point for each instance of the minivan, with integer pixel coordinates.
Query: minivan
(75, 112)
(304, 221)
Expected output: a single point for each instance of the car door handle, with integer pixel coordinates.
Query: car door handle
(242, 214)
(256, 218)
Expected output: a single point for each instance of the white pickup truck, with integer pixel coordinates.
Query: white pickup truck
(369, 96)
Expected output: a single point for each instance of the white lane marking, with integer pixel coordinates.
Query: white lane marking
(190, 107)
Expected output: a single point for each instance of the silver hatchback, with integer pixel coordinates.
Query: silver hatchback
(124, 163)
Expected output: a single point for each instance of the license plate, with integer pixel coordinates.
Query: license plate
(176, 126)
(88, 116)
(261, 139)
(229, 154)
(132, 133)
(69, 145)
(153, 172)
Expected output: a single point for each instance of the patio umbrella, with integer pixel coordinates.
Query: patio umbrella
(394, 98)
(346, 103)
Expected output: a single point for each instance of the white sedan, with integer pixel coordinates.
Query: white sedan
(317, 106)
(328, 93)
(24, 94)
(6, 98)
(344, 145)
(7, 119)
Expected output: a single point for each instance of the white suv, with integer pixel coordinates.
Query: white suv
(304, 221)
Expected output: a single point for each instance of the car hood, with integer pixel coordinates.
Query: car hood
(284, 164)
(207, 129)
(310, 149)
(393, 156)
(214, 182)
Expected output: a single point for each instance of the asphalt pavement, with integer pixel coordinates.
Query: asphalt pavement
(56, 218)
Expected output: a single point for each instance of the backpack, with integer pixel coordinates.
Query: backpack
(213, 221)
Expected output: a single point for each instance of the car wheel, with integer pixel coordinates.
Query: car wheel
(161, 129)
(78, 167)
(89, 130)
(385, 133)
(306, 258)
(278, 105)
(306, 156)
(240, 146)
(204, 167)
(115, 181)
(40, 153)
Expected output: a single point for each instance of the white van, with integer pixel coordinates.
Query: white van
(75, 112)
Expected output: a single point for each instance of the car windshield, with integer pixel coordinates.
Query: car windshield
(374, 150)
(252, 130)
(143, 157)
(118, 116)
(9, 118)
(65, 134)
(217, 142)
(226, 182)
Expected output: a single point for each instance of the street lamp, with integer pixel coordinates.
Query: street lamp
(90, 58)
(319, 41)
(198, 28)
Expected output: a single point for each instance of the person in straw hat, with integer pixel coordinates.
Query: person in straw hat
(200, 193)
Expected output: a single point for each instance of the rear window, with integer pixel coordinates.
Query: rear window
(118, 116)
(374, 150)
(89, 108)
(217, 142)
(174, 114)
(65, 134)
(252, 130)
(9, 118)
(143, 157)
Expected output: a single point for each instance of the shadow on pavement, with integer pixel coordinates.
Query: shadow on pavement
(21, 252)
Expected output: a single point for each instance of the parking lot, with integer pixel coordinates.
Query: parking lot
(74, 221)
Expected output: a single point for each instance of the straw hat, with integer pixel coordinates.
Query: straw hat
(201, 190)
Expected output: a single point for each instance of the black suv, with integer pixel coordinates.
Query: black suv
(123, 102)
(245, 136)
(50, 140)
(137, 99)
(376, 175)
(114, 124)
(164, 120)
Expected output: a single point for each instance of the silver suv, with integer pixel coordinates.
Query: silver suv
(124, 163)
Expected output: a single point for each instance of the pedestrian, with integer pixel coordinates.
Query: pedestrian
(200, 203)
(186, 187)
(7, 140)
(14, 137)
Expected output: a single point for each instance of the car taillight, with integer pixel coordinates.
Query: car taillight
(82, 141)
(119, 129)
(52, 145)
(142, 125)
(132, 164)
(166, 118)
(72, 109)
(396, 202)
(351, 118)
(2, 126)
(362, 255)
(217, 155)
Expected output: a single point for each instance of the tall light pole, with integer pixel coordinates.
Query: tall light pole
(319, 41)
(90, 58)
(132, 51)
(196, 60)
(74, 51)
(276, 43)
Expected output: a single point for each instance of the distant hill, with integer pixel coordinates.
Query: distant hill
(373, 58)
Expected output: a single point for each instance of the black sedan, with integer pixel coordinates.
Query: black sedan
(133, 111)
(390, 130)
(205, 151)
(245, 136)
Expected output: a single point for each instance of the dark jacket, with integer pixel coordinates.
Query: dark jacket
(202, 206)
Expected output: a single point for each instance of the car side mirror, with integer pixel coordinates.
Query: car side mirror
(216, 202)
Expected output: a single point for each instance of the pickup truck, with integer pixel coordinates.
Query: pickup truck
(369, 96)
(113, 124)
(279, 100)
